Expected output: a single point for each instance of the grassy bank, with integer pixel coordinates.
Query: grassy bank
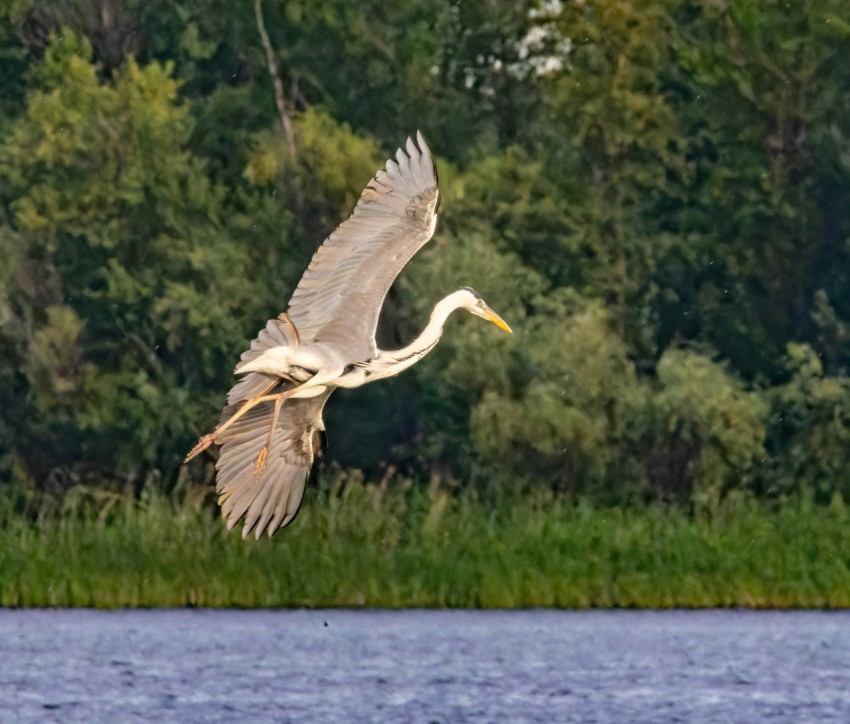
(360, 546)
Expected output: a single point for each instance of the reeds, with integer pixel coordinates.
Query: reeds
(360, 545)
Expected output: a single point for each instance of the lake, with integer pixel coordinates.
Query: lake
(424, 666)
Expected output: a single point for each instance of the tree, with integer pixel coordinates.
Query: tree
(119, 241)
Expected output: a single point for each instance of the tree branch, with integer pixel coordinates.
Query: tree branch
(285, 116)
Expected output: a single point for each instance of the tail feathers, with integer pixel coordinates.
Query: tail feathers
(271, 499)
(279, 332)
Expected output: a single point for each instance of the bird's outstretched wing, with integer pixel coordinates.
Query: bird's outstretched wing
(340, 296)
(272, 499)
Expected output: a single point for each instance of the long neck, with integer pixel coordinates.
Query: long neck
(391, 362)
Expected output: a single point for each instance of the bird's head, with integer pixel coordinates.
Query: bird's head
(471, 301)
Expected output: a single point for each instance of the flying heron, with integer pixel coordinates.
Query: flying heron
(272, 428)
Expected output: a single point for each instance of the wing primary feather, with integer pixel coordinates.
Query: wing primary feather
(279, 512)
(340, 296)
(415, 164)
(257, 507)
(269, 509)
(236, 505)
(293, 501)
(404, 168)
(393, 170)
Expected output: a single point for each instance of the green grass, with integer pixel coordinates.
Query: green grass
(360, 546)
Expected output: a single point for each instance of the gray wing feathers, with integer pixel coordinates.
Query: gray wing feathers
(340, 295)
(270, 501)
(277, 333)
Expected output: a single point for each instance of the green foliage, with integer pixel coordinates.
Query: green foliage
(588, 423)
(118, 240)
(702, 431)
(654, 195)
(619, 153)
(763, 116)
(569, 417)
(810, 431)
(405, 547)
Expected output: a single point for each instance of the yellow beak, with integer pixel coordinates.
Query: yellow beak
(491, 316)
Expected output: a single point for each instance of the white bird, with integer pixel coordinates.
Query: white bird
(272, 428)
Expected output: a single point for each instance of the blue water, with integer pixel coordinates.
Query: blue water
(424, 666)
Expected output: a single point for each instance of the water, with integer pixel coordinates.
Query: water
(423, 666)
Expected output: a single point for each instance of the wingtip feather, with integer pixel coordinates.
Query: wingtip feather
(392, 169)
(427, 164)
(412, 149)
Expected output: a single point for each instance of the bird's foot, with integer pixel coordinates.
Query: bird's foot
(260, 465)
(202, 445)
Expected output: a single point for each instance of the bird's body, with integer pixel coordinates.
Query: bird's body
(272, 428)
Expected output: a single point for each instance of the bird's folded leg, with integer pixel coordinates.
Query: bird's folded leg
(317, 380)
(314, 381)
(210, 439)
(202, 445)
(264, 452)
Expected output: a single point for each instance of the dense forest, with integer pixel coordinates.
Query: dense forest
(654, 195)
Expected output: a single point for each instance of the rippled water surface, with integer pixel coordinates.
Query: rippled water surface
(423, 666)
